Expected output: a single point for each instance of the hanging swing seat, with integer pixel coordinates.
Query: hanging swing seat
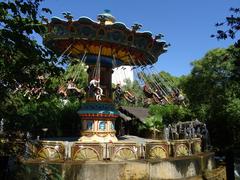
(70, 90)
(156, 98)
(179, 99)
(94, 84)
(129, 97)
(118, 91)
(118, 94)
(98, 93)
(147, 91)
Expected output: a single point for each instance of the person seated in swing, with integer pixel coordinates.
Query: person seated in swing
(72, 86)
(129, 97)
(147, 91)
(41, 92)
(179, 98)
(159, 94)
(118, 93)
(70, 89)
(118, 88)
(62, 91)
(94, 83)
(98, 94)
(156, 94)
(94, 86)
(28, 92)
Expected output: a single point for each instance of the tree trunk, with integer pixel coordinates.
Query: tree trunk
(3, 167)
(230, 164)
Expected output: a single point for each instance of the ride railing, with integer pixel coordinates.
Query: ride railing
(117, 151)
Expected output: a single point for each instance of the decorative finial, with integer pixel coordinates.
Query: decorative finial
(136, 27)
(68, 16)
(107, 11)
(102, 19)
(106, 17)
(159, 36)
(167, 45)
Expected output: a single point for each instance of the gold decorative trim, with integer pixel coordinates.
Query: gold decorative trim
(124, 154)
(197, 147)
(49, 153)
(157, 152)
(86, 154)
(182, 150)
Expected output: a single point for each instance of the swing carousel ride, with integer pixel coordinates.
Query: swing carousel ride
(117, 46)
(103, 46)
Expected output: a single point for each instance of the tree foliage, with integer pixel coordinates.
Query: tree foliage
(213, 92)
(78, 72)
(169, 79)
(26, 66)
(22, 59)
(230, 27)
(160, 115)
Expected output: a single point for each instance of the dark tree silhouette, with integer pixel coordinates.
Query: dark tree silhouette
(230, 27)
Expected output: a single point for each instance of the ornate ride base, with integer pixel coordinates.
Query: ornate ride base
(121, 150)
(98, 137)
(143, 159)
(98, 122)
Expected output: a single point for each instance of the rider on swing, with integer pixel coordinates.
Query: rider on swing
(95, 87)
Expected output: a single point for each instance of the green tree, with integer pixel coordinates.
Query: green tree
(168, 114)
(170, 80)
(22, 60)
(213, 83)
(77, 71)
(230, 27)
(213, 91)
(49, 111)
(26, 66)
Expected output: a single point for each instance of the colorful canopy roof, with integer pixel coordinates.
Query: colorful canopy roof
(111, 38)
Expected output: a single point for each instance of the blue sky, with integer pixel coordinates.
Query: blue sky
(186, 24)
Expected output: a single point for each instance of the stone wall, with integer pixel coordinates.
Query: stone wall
(172, 168)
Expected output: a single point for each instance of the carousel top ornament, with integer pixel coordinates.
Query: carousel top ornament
(128, 46)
